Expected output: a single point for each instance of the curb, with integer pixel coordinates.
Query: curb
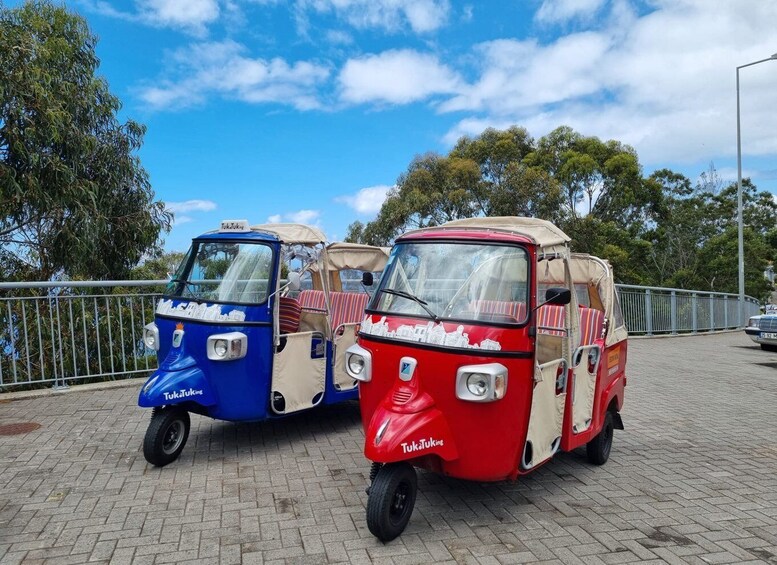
(41, 393)
(688, 334)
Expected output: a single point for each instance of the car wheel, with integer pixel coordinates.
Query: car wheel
(391, 500)
(598, 449)
(166, 435)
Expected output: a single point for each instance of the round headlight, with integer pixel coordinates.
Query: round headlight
(477, 384)
(355, 363)
(220, 347)
(149, 338)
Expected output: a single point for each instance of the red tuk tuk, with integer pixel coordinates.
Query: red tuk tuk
(486, 349)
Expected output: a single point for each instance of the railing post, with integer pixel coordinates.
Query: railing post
(725, 311)
(712, 312)
(648, 313)
(694, 313)
(673, 311)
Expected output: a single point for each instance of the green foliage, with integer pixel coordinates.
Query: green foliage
(161, 266)
(74, 198)
(659, 230)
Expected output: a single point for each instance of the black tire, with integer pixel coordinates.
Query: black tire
(768, 347)
(598, 449)
(391, 500)
(166, 435)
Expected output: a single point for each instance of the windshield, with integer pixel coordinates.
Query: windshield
(219, 271)
(460, 281)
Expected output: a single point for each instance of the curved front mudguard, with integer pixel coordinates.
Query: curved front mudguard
(408, 435)
(175, 387)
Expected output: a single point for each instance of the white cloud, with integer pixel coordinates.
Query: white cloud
(422, 16)
(522, 74)
(560, 11)
(190, 15)
(304, 216)
(338, 37)
(181, 210)
(663, 82)
(222, 68)
(396, 76)
(368, 200)
(191, 206)
(309, 217)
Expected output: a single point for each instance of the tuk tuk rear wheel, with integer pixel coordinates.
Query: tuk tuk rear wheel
(391, 500)
(166, 435)
(598, 449)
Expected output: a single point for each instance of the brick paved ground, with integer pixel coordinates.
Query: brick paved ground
(693, 478)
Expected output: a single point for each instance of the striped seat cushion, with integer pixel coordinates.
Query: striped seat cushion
(516, 310)
(289, 312)
(591, 325)
(312, 300)
(550, 320)
(347, 307)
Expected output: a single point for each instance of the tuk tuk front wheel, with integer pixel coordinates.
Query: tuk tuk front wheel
(391, 500)
(598, 449)
(166, 435)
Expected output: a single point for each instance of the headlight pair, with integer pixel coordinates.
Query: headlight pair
(226, 347)
(481, 383)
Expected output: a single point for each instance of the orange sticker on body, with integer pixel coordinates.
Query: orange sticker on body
(613, 358)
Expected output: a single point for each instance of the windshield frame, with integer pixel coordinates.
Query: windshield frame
(371, 306)
(193, 254)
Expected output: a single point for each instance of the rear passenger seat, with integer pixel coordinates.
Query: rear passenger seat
(312, 300)
(347, 307)
(551, 318)
(516, 310)
(591, 325)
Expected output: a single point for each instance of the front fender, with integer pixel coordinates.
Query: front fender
(408, 435)
(174, 387)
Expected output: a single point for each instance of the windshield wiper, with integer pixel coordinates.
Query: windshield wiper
(415, 299)
(192, 288)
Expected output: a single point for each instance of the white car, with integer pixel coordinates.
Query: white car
(763, 330)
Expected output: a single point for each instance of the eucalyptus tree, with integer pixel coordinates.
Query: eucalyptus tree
(74, 197)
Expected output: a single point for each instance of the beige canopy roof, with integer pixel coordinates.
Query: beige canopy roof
(342, 256)
(293, 233)
(542, 232)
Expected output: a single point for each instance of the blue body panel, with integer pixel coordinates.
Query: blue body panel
(235, 390)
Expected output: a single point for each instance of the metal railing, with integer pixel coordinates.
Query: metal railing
(57, 333)
(654, 311)
(54, 333)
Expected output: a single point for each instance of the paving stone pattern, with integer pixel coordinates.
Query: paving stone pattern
(692, 479)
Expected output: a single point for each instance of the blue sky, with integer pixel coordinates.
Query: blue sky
(308, 110)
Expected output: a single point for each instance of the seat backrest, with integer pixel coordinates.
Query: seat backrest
(312, 300)
(550, 320)
(591, 325)
(516, 310)
(289, 312)
(347, 307)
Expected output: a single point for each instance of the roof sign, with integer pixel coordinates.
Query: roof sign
(234, 226)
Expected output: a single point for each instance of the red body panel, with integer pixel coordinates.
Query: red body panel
(487, 437)
(432, 428)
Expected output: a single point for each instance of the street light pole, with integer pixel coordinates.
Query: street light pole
(740, 221)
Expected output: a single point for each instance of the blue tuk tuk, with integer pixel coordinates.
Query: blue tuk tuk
(251, 327)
